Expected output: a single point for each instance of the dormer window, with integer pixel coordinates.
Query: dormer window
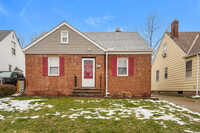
(64, 37)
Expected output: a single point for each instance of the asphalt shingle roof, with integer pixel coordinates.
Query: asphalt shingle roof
(185, 41)
(4, 33)
(119, 41)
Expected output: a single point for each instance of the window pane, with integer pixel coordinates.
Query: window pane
(122, 62)
(165, 48)
(189, 65)
(189, 73)
(64, 39)
(122, 70)
(53, 62)
(53, 70)
(13, 45)
(64, 35)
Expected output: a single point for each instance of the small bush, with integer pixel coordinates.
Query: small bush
(6, 90)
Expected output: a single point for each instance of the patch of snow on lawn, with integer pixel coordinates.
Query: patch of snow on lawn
(163, 111)
(2, 117)
(34, 117)
(7, 104)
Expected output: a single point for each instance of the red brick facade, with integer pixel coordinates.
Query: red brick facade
(59, 85)
(138, 85)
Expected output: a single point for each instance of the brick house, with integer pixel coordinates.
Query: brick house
(65, 62)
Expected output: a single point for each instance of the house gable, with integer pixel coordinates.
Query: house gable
(175, 63)
(50, 43)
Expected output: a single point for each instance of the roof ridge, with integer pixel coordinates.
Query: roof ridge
(197, 36)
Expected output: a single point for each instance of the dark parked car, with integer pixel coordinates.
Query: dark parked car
(7, 77)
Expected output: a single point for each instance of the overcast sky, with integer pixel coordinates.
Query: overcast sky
(29, 16)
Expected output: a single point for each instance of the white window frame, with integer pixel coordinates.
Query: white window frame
(117, 67)
(165, 50)
(49, 74)
(62, 36)
(186, 70)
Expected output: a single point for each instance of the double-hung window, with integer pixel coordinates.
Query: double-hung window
(53, 66)
(64, 37)
(166, 72)
(165, 48)
(157, 75)
(13, 48)
(122, 66)
(188, 69)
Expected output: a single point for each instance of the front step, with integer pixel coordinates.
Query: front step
(87, 92)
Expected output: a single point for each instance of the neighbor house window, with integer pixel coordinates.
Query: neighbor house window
(64, 36)
(157, 75)
(188, 71)
(10, 68)
(13, 48)
(53, 66)
(122, 66)
(165, 48)
(166, 72)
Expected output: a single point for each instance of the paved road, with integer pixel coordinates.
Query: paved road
(189, 103)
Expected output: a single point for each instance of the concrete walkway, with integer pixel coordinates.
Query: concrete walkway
(189, 103)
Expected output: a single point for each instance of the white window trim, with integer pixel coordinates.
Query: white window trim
(186, 71)
(49, 66)
(61, 39)
(117, 67)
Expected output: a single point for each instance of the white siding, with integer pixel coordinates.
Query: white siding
(7, 58)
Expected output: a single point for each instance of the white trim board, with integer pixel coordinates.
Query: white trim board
(57, 27)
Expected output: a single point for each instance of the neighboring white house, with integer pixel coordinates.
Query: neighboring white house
(11, 55)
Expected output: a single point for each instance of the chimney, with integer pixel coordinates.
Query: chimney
(117, 30)
(174, 28)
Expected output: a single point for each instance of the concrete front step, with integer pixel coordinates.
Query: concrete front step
(87, 89)
(87, 92)
(88, 95)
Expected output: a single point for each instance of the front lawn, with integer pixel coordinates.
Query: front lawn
(38, 114)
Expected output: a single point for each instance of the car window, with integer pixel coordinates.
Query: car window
(5, 74)
(14, 75)
(20, 75)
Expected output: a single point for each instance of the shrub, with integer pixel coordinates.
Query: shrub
(6, 90)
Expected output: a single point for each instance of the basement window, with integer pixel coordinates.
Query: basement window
(64, 37)
(188, 69)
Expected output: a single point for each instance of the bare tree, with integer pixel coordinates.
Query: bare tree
(33, 36)
(21, 39)
(152, 26)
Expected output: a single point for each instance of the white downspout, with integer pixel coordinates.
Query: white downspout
(106, 74)
(197, 89)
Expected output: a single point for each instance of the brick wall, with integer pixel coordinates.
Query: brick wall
(138, 85)
(59, 85)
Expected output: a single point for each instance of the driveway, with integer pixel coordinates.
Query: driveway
(191, 104)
